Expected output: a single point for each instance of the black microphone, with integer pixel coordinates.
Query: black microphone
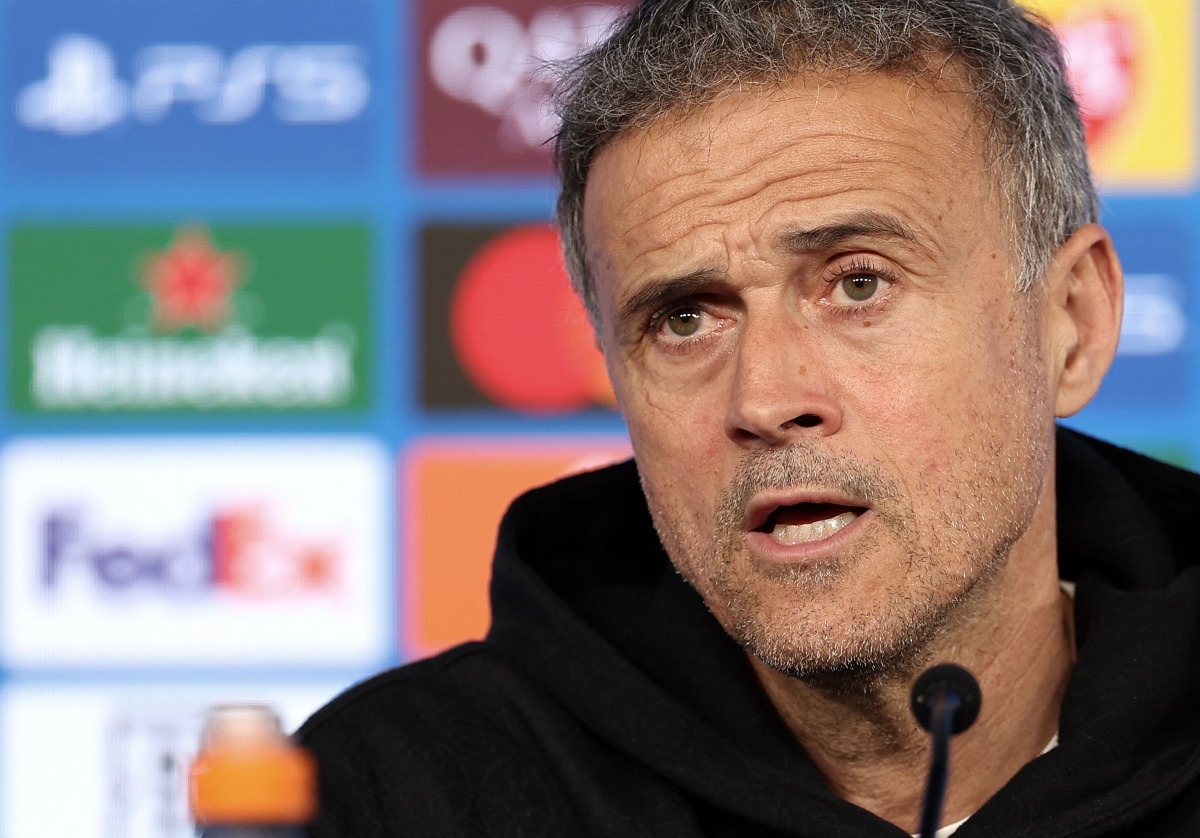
(945, 700)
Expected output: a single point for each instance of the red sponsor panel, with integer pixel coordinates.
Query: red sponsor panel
(457, 493)
(483, 93)
(514, 334)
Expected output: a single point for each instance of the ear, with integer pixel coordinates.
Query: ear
(1083, 299)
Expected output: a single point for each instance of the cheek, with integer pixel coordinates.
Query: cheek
(678, 423)
(921, 404)
(678, 448)
(945, 418)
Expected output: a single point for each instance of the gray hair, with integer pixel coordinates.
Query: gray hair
(670, 56)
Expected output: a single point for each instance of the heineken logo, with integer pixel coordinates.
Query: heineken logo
(191, 283)
(188, 319)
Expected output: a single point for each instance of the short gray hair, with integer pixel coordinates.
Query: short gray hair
(668, 56)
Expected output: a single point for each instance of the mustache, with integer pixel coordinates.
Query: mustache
(801, 464)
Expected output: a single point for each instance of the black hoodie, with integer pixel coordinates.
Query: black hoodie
(606, 701)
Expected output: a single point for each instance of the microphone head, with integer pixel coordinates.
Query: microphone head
(943, 679)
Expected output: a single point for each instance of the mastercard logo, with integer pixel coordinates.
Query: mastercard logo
(517, 333)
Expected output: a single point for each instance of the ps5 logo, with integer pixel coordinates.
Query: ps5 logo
(299, 83)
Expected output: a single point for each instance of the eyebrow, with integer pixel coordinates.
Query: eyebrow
(865, 224)
(654, 295)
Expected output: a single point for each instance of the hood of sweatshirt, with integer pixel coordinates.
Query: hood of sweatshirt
(637, 658)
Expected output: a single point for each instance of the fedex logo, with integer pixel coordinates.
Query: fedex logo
(234, 551)
(221, 551)
(82, 91)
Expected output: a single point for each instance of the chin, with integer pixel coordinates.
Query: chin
(843, 646)
(848, 667)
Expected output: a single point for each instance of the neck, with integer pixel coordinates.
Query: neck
(1014, 633)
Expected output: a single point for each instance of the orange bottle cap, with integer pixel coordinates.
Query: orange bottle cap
(247, 771)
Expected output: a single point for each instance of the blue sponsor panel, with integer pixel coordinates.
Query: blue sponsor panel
(164, 86)
(1153, 370)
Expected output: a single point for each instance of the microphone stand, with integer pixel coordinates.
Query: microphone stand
(945, 700)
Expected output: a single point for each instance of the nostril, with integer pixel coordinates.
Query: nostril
(807, 420)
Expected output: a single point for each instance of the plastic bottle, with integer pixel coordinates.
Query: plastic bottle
(249, 780)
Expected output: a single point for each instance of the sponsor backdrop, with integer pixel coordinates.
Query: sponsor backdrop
(285, 329)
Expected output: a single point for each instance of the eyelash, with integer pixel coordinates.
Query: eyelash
(861, 265)
(656, 321)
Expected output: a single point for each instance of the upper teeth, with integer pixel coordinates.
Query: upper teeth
(801, 533)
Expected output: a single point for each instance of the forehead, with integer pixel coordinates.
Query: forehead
(725, 180)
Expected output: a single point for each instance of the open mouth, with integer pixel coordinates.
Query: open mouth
(801, 523)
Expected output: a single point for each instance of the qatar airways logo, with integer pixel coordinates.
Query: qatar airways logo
(83, 90)
(236, 551)
(485, 56)
(484, 91)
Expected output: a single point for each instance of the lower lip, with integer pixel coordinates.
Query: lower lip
(763, 545)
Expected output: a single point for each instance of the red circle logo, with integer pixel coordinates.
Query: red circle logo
(519, 331)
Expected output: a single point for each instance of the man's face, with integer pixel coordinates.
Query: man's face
(834, 390)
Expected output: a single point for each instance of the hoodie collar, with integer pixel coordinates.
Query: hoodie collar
(637, 658)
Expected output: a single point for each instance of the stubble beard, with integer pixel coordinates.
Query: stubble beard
(776, 613)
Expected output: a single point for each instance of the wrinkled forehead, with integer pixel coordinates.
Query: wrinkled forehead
(936, 87)
(875, 138)
(932, 75)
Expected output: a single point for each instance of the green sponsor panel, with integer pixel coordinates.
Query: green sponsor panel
(189, 319)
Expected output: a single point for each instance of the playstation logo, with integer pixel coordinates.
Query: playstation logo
(81, 93)
(297, 84)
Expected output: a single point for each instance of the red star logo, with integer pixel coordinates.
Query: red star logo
(191, 283)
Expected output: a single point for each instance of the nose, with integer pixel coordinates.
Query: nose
(782, 387)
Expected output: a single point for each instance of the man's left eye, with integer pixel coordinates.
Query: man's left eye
(684, 323)
(860, 287)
